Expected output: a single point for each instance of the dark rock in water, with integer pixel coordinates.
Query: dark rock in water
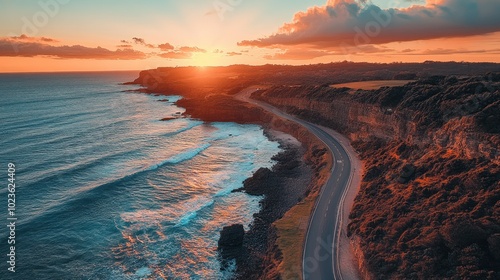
(230, 245)
(168, 119)
(262, 180)
(231, 236)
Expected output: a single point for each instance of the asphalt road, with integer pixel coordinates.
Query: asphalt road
(321, 249)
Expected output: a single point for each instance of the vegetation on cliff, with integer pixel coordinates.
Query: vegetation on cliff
(429, 205)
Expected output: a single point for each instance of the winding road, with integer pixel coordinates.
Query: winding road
(321, 259)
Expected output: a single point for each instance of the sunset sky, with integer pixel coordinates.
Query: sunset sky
(73, 35)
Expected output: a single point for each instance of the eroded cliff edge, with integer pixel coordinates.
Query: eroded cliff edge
(429, 203)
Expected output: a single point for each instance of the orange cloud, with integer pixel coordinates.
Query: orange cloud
(166, 47)
(440, 51)
(176, 55)
(181, 53)
(234, 53)
(192, 49)
(124, 46)
(26, 38)
(308, 53)
(24, 46)
(342, 23)
(298, 54)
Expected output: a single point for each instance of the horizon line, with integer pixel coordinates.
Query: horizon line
(236, 64)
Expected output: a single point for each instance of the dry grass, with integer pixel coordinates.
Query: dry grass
(291, 234)
(373, 85)
(292, 229)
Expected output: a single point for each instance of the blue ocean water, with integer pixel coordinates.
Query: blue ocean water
(105, 190)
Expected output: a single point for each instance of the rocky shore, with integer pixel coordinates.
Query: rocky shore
(282, 187)
(296, 175)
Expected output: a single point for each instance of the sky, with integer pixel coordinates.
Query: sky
(92, 35)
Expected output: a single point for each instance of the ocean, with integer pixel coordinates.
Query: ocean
(105, 190)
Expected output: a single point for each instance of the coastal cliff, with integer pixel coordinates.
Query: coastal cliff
(431, 155)
(430, 150)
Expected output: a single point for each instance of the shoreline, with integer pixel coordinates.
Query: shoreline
(281, 187)
(313, 155)
(290, 226)
(348, 265)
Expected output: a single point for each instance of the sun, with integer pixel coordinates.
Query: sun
(205, 59)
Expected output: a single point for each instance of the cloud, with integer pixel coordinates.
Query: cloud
(25, 38)
(140, 41)
(408, 50)
(19, 48)
(25, 46)
(343, 23)
(234, 54)
(182, 53)
(176, 55)
(124, 46)
(192, 49)
(308, 53)
(297, 54)
(48, 40)
(443, 51)
(166, 47)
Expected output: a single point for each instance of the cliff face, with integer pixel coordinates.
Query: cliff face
(465, 123)
(429, 202)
